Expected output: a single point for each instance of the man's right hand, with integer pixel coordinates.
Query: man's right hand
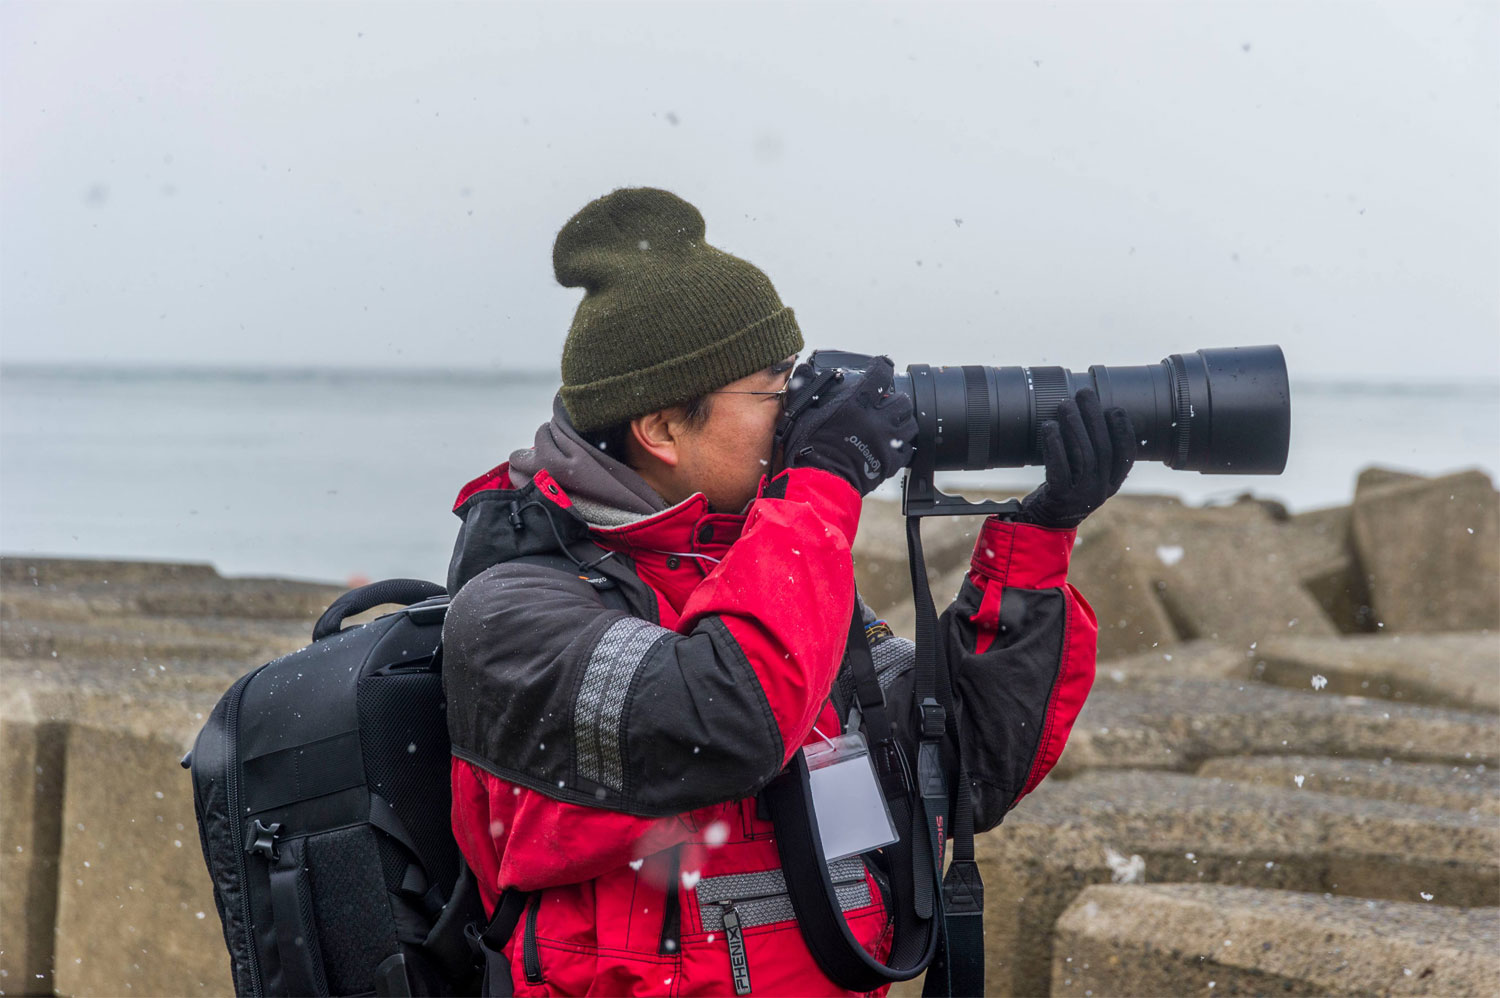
(850, 423)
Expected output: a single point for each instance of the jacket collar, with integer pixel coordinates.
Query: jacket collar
(501, 522)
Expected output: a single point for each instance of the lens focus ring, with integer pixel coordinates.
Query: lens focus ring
(1182, 411)
(1049, 387)
(977, 415)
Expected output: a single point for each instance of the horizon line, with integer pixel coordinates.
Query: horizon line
(160, 369)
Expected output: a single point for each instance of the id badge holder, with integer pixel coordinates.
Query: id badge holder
(852, 813)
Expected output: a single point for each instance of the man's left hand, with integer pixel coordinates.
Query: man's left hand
(1088, 453)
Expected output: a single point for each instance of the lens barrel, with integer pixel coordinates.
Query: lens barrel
(1218, 411)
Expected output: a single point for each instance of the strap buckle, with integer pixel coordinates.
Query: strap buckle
(264, 841)
(934, 718)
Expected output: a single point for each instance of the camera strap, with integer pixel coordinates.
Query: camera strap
(958, 967)
(938, 919)
(914, 867)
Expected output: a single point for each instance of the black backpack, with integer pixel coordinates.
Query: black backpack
(321, 788)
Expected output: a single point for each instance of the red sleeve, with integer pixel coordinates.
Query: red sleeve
(1049, 664)
(785, 591)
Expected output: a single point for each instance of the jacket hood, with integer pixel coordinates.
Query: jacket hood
(547, 496)
(605, 491)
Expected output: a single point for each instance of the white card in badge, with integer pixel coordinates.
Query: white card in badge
(851, 810)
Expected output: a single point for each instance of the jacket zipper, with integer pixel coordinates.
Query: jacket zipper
(739, 961)
(671, 920)
(237, 820)
(531, 954)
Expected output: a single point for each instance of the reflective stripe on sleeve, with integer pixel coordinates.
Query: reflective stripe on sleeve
(601, 697)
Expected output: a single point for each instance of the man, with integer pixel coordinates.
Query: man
(615, 711)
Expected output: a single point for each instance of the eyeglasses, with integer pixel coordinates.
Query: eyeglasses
(780, 393)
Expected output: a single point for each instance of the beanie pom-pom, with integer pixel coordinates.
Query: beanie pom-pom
(603, 239)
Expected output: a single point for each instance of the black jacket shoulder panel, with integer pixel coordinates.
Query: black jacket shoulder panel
(549, 688)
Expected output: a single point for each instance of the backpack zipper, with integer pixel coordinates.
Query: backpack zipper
(237, 822)
(531, 955)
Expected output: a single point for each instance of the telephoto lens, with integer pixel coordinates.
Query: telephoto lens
(1217, 411)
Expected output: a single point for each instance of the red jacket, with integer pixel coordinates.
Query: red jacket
(594, 749)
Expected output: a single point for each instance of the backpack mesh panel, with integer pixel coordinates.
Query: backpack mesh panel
(404, 738)
(350, 906)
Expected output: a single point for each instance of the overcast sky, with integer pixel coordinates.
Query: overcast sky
(341, 183)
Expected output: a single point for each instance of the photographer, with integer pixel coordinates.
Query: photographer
(651, 611)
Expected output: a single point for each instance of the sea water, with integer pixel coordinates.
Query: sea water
(344, 475)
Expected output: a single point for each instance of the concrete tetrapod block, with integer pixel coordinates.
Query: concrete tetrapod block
(1475, 789)
(149, 639)
(84, 589)
(1114, 574)
(1377, 477)
(1165, 827)
(1452, 670)
(40, 765)
(31, 782)
(1321, 551)
(1226, 573)
(1431, 553)
(78, 659)
(66, 572)
(1154, 723)
(1188, 660)
(135, 910)
(1162, 939)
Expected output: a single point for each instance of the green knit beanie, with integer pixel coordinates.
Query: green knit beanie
(665, 316)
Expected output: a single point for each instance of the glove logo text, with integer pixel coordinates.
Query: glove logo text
(872, 463)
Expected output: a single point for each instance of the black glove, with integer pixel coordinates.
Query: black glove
(1088, 453)
(848, 422)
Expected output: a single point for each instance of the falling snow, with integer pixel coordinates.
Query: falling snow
(1125, 871)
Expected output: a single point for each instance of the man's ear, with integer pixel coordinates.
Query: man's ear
(656, 434)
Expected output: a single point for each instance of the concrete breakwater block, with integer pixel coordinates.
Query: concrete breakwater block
(148, 638)
(1154, 723)
(1453, 670)
(1322, 555)
(1410, 554)
(1225, 573)
(1162, 939)
(1430, 550)
(84, 589)
(135, 911)
(42, 768)
(32, 749)
(107, 670)
(1152, 827)
(65, 572)
(1188, 660)
(1118, 581)
(1475, 789)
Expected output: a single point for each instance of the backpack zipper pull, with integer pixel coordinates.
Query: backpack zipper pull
(739, 963)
